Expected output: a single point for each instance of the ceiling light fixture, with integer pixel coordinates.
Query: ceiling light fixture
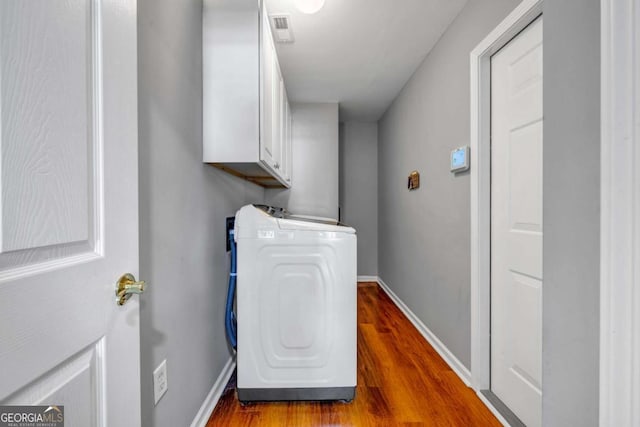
(309, 6)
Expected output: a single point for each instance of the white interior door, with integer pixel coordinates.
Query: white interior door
(68, 209)
(516, 224)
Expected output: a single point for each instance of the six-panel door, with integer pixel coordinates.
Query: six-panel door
(516, 224)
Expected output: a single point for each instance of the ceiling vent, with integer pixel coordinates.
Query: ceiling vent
(281, 25)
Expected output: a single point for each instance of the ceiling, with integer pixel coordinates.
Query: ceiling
(359, 53)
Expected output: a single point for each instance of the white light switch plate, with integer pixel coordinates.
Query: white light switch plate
(160, 384)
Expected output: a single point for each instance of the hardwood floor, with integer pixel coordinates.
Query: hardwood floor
(401, 381)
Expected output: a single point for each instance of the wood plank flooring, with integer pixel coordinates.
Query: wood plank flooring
(401, 381)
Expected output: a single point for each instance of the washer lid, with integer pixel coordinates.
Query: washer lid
(289, 221)
(313, 223)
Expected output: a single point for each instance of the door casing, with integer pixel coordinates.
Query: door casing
(480, 141)
(619, 212)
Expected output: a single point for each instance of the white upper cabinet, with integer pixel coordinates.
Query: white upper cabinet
(246, 115)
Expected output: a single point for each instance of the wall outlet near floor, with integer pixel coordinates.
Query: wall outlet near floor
(160, 384)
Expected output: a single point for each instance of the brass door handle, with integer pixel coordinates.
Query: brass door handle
(127, 286)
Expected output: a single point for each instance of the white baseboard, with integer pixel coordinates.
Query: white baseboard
(367, 278)
(214, 395)
(443, 351)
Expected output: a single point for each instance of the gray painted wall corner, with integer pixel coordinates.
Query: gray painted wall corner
(359, 189)
(183, 206)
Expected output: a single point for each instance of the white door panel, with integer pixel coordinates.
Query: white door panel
(68, 207)
(526, 258)
(516, 224)
(525, 174)
(75, 384)
(47, 209)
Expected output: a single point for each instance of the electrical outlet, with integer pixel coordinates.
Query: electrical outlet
(160, 384)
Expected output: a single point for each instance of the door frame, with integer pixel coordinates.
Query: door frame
(480, 58)
(619, 210)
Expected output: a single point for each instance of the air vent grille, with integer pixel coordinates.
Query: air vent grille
(281, 22)
(281, 25)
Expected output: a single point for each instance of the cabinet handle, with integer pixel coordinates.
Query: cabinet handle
(276, 165)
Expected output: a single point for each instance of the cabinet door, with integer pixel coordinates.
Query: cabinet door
(289, 143)
(268, 91)
(286, 138)
(277, 130)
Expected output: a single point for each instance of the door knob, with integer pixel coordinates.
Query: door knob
(127, 286)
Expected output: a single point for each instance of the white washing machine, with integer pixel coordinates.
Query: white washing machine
(296, 306)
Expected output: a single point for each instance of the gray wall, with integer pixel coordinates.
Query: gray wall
(314, 189)
(183, 205)
(424, 234)
(571, 212)
(359, 189)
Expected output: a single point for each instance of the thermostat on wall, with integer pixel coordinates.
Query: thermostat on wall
(460, 159)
